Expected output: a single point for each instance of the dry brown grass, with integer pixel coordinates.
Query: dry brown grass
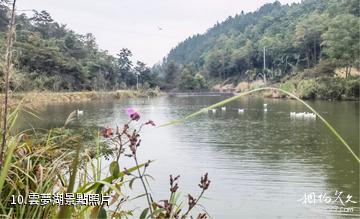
(341, 72)
(43, 98)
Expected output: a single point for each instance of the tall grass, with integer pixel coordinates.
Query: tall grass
(48, 169)
(59, 163)
(7, 71)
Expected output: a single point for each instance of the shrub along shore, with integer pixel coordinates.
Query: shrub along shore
(308, 88)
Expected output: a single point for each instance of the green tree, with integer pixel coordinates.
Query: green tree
(342, 41)
(4, 20)
(308, 36)
(218, 62)
(200, 81)
(145, 74)
(171, 74)
(125, 66)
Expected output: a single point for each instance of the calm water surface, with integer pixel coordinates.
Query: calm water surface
(261, 164)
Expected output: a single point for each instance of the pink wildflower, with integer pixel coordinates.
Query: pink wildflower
(133, 114)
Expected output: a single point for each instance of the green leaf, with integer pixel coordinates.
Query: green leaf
(93, 185)
(65, 211)
(114, 168)
(144, 213)
(99, 189)
(102, 214)
(156, 213)
(132, 182)
(7, 164)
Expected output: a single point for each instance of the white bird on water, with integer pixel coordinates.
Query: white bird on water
(213, 110)
(240, 110)
(223, 108)
(310, 115)
(79, 112)
(265, 110)
(265, 105)
(300, 115)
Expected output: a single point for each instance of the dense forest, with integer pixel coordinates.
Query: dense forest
(50, 56)
(301, 45)
(315, 36)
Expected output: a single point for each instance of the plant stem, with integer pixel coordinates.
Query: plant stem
(7, 72)
(120, 148)
(144, 185)
(196, 201)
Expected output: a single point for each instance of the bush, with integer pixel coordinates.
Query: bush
(325, 67)
(288, 86)
(153, 92)
(352, 88)
(330, 88)
(306, 89)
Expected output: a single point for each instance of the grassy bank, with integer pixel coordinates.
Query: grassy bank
(322, 87)
(313, 83)
(41, 98)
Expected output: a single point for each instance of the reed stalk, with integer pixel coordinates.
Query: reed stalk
(7, 72)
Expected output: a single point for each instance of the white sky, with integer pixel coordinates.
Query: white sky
(135, 24)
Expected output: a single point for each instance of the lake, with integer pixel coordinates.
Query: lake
(261, 164)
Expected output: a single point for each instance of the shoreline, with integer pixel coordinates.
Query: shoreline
(36, 98)
(273, 94)
(269, 94)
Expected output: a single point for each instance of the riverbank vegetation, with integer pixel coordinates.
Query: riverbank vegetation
(36, 98)
(312, 45)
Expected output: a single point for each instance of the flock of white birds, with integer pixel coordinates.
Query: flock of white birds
(301, 115)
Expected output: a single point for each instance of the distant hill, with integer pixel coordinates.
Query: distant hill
(295, 37)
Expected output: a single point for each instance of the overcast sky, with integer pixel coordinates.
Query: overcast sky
(149, 28)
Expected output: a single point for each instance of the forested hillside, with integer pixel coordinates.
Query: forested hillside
(301, 46)
(317, 35)
(50, 56)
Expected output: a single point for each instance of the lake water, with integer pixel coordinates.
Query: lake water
(261, 164)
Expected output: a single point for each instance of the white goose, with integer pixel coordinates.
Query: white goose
(79, 112)
(311, 115)
(299, 115)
